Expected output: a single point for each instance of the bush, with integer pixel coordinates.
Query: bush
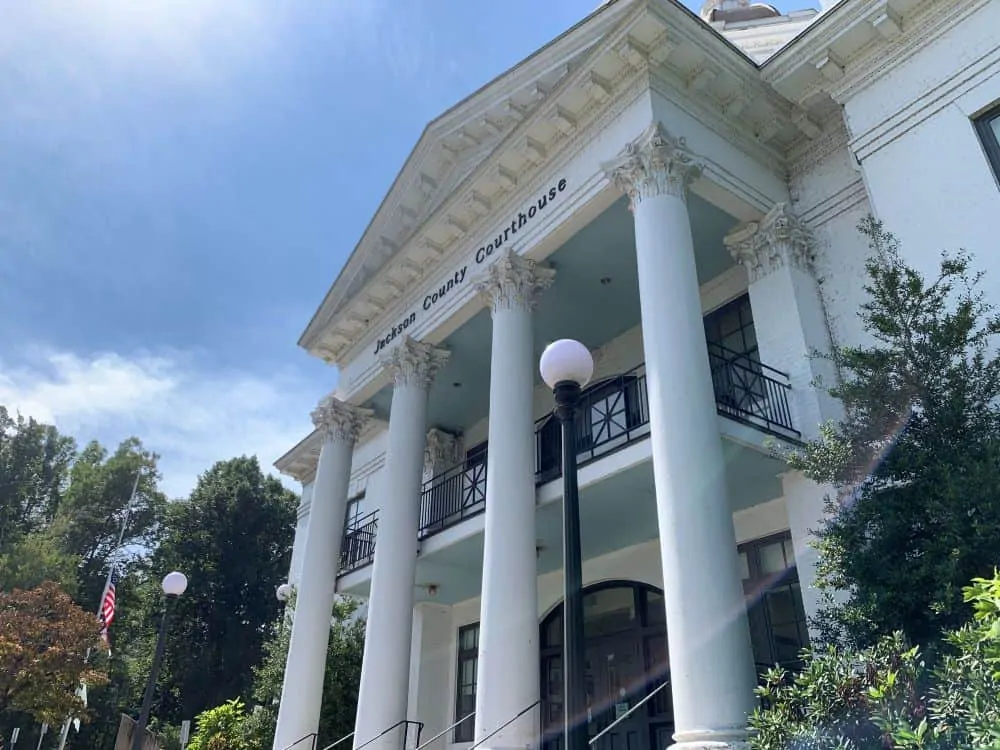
(221, 728)
(887, 696)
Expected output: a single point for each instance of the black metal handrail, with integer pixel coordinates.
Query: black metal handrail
(405, 723)
(614, 413)
(311, 738)
(358, 546)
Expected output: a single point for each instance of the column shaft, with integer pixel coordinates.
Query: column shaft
(302, 690)
(711, 665)
(508, 672)
(382, 699)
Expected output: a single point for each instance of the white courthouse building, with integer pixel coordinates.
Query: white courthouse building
(681, 194)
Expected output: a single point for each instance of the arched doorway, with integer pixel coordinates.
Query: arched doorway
(626, 654)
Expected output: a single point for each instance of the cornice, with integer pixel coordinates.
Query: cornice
(856, 43)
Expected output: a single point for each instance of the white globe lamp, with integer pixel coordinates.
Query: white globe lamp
(566, 361)
(174, 584)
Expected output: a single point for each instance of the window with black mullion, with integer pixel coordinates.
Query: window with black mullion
(465, 684)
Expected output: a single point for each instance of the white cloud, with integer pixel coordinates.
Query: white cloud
(191, 416)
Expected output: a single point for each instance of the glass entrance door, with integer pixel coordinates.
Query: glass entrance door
(626, 658)
(615, 682)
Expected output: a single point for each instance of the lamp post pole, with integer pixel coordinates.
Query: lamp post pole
(566, 366)
(174, 585)
(567, 396)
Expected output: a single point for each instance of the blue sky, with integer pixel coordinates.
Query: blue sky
(180, 182)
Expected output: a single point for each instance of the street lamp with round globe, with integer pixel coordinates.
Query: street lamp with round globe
(284, 592)
(174, 584)
(566, 361)
(566, 367)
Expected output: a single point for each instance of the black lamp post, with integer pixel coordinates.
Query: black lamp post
(174, 584)
(567, 366)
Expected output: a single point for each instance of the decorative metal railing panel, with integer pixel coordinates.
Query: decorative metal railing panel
(750, 392)
(614, 413)
(456, 494)
(358, 548)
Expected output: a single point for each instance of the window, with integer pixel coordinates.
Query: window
(988, 127)
(731, 328)
(774, 601)
(355, 511)
(734, 357)
(465, 682)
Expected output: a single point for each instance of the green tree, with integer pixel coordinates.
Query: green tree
(340, 687)
(34, 468)
(917, 455)
(232, 538)
(95, 505)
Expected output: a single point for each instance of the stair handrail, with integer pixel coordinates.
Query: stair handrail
(384, 732)
(342, 739)
(625, 715)
(507, 723)
(311, 736)
(440, 734)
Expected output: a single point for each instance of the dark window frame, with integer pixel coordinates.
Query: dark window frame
(354, 511)
(984, 124)
(760, 585)
(715, 336)
(465, 732)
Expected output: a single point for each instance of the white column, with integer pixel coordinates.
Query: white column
(508, 671)
(302, 691)
(301, 533)
(711, 664)
(382, 699)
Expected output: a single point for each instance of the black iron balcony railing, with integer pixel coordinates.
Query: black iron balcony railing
(358, 547)
(456, 494)
(750, 392)
(614, 413)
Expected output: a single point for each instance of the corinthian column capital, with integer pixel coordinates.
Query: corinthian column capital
(779, 239)
(514, 282)
(340, 420)
(414, 362)
(656, 163)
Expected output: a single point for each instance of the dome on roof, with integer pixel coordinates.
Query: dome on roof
(737, 10)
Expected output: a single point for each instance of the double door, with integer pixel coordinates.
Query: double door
(620, 671)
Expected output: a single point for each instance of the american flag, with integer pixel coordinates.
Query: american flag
(107, 613)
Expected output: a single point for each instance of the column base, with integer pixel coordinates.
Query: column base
(709, 739)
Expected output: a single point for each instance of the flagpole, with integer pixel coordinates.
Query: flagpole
(100, 605)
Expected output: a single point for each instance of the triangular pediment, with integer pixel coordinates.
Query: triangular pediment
(452, 148)
(471, 163)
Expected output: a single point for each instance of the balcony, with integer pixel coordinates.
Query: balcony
(358, 547)
(614, 413)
